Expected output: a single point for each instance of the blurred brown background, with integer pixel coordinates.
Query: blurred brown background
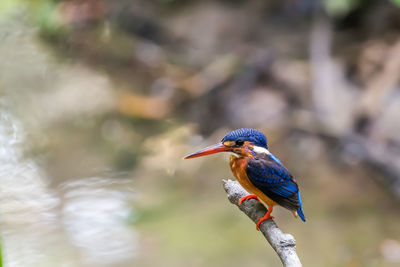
(100, 100)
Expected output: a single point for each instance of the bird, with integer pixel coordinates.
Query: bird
(258, 171)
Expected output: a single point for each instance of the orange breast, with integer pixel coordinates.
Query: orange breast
(238, 167)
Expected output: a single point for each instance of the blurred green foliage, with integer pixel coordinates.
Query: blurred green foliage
(43, 12)
(48, 19)
(1, 255)
(340, 7)
(396, 2)
(8, 6)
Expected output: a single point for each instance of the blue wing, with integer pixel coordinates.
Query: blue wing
(275, 181)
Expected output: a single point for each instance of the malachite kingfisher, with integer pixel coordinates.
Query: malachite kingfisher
(258, 171)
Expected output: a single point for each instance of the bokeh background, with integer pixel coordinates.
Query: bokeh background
(100, 100)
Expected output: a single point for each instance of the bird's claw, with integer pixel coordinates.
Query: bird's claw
(266, 217)
(248, 197)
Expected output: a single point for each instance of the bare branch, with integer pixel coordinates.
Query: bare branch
(283, 244)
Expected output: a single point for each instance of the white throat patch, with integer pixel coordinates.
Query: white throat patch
(261, 150)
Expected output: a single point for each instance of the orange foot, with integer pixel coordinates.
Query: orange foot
(247, 197)
(266, 217)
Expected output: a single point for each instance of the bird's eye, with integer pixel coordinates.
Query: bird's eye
(239, 142)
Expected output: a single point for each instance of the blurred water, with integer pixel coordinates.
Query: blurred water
(28, 206)
(80, 223)
(95, 214)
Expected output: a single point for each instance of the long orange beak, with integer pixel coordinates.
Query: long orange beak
(208, 151)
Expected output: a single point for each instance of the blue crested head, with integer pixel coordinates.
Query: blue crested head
(235, 142)
(247, 134)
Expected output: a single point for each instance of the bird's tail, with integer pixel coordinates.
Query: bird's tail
(300, 209)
